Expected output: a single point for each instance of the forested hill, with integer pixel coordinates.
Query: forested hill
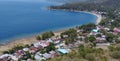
(95, 5)
(81, 1)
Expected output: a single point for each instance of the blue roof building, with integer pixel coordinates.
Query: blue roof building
(63, 51)
(95, 30)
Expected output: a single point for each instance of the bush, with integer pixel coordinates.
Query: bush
(5, 52)
(104, 59)
(38, 38)
(47, 35)
(90, 57)
(116, 54)
(117, 40)
(111, 47)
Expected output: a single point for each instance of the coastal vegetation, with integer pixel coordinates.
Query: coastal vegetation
(88, 42)
(45, 35)
(84, 46)
(110, 12)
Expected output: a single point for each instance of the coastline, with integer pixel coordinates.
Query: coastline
(32, 39)
(24, 41)
(99, 17)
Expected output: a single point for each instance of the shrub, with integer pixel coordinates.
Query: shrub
(38, 38)
(116, 54)
(90, 57)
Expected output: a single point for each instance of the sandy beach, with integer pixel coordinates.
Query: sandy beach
(13, 43)
(32, 39)
(24, 41)
(98, 19)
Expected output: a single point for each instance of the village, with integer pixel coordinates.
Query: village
(96, 35)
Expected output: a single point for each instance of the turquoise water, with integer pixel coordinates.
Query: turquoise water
(19, 18)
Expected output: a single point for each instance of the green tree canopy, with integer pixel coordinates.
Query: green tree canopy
(47, 35)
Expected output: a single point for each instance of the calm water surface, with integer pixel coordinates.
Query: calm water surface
(20, 18)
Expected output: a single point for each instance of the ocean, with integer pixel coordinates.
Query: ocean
(21, 18)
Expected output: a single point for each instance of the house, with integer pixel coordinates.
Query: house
(59, 45)
(63, 51)
(56, 37)
(103, 36)
(40, 47)
(41, 43)
(95, 30)
(49, 40)
(116, 30)
(53, 54)
(93, 33)
(100, 39)
(25, 49)
(46, 55)
(29, 60)
(8, 57)
(33, 49)
(5, 57)
(65, 36)
(57, 41)
(39, 57)
(107, 29)
(99, 27)
(14, 58)
(19, 53)
(79, 31)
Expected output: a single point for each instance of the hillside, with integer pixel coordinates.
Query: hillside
(90, 5)
(71, 1)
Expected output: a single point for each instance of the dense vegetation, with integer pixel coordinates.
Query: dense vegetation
(90, 5)
(45, 35)
(86, 53)
(71, 1)
(110, 11)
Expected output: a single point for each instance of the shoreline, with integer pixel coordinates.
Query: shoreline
(31, 39)
(24, 41)
(99, 17)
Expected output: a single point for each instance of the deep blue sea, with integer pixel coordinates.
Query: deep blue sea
(20, 18)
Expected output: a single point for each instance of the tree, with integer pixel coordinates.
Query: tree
(93, 44)
(88, 27)
(70, 33)
(47, 35)
(38, 38)
(111, 47)
(110, 37)
(50, 47)
(5, 52)
(92, 38)
(98, 35)
(117, 40)
(27, 56)
(82, 51)
(86, 39)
